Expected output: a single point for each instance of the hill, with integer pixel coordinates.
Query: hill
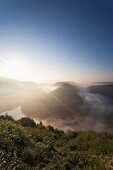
(62, 107)
(25, 145)
(14, 93)
(68, 106)
(106, 90)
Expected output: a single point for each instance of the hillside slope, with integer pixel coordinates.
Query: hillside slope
(27, 146)
(14, 93)
(64, 104)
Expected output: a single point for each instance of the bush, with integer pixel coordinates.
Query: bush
(6, 117)
(71, 134)
(25, 121)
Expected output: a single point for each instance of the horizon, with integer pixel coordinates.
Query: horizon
(53, 41)
(50, 82)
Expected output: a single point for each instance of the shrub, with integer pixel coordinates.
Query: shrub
(25, 121)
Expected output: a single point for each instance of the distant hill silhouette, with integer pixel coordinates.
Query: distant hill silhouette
(67, 95)
(62, 104)
(106, 90)
(14, 93)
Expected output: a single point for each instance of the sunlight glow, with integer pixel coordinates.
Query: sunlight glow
(16, 69)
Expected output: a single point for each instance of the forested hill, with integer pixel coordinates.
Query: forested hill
(106, 90)
(25, 145)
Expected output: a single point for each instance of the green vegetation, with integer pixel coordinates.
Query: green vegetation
(25, 145)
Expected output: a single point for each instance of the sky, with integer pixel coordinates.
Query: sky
(56, 40)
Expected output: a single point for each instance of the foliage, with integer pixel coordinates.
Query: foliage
(27, 146)
(26, 121)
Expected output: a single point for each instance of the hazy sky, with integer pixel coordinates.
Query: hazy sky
(56, 40)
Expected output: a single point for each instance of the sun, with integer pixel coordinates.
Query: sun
(16, 69)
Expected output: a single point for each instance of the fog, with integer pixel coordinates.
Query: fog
(95, 113)
(65, 106)
(15, 113)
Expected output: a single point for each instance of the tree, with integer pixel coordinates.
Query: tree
(25, 121)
